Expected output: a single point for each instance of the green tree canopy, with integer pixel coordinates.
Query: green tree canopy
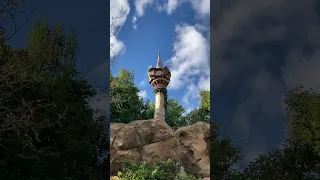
(292, 162)
(126, 105)
(303, 112)
(223, 155)
(47, 126)
(202, 113)
(175, 111)
(205, 100)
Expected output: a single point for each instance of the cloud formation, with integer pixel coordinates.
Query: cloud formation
(119, 10)
(201, 7)
(189, 63)
(261, 50)
(140, 6)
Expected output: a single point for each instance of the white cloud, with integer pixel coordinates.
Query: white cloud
(189, 62)
(204, 83)
(115, 46)
(201, 7)
(142, 94)
(171, 6)
(134, 22)
(190, 58)
(142, 83)
(140, 6)
(119, 10)
(191, 95)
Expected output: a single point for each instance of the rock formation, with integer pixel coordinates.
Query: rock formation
(152, 140)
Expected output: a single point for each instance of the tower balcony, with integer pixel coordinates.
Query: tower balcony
(159, 77)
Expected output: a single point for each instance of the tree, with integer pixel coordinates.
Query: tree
(148, 110)
(174, 111)
(197, 115)
(201, 114)
(205, 100)
(300, 156)
(127, 105)
(114, 51)
(303, 112)
(292, 162)
(47, 126)
(223, 155)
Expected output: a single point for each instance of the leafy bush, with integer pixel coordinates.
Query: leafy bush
(162, 170)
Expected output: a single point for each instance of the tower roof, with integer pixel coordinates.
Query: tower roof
(159, 65)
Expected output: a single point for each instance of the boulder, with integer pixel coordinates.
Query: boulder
(153, 140)
(194, 148)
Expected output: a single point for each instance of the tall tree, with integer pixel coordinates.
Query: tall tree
(223, 155)
(175, 111)
(47, 126)
(205, 100)
(202, 113)
(127, 105)
(303, 112)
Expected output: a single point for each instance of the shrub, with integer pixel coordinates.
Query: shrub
(162, 170)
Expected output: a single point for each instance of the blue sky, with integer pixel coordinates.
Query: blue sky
(179, 30)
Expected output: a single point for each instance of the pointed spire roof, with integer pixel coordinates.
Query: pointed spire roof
(159, 60)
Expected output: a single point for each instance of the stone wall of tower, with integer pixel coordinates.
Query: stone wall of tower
(160, 111)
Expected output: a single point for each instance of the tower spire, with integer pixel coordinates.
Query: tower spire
(159, 78)
(159, 60)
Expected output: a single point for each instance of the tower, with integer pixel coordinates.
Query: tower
(159, 78)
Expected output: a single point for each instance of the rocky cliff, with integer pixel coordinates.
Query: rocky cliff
(151, 140)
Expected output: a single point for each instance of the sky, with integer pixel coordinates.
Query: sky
(178, 29)
(260, 50)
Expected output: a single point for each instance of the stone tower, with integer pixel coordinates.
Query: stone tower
(159, 78)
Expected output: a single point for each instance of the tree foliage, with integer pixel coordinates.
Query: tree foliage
(300, 157)
(292, 162)
(47, 126)
(303, 112)
(175, 111)
(205, 100)
(202, 113)
(126, 105)
(223, 155)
